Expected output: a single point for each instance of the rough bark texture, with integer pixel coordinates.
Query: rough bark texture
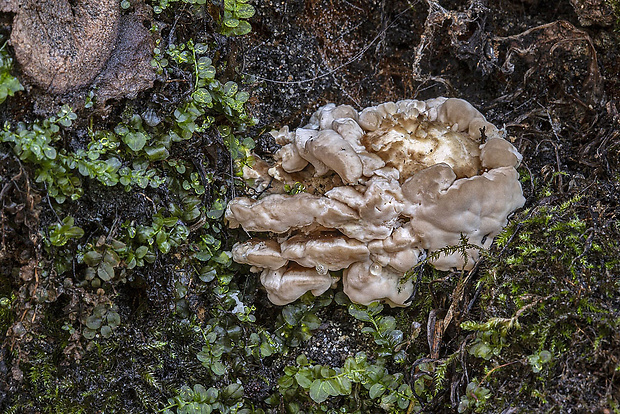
(63, 45)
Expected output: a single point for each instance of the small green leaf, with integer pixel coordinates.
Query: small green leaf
(74, 232)
(311, 321)
(218, 368)
(89, 273)
(318, 391)
(156, 153)
(302, 360)
(100, 310)
(212, 394)
(481, 349)
(375, 308)
(106, 331)
(135, 141)
(304, 378)
(105, 271)
(181, 290)
(201, 392)
(201, 49)
(203, 62)
(203, 255)
(89, 333)
(207, 274)
(114, 319)
(243, 28)
(50, 152)
(231, 22)
(164, 247)
(242, 96)
(359, 314)
(141, 251)
(545, 356)
(66, 122)
(244, 11)
(286, 381)
(344, 385)
(386, 323)
(230, 88)
(92, 258)
(389, 398)
(207, 73)
(376, 390)
(333, 387)
(224, 258)
(202, 96)
(233, 391)
(93, 322)
(292, 314)
(111, 258)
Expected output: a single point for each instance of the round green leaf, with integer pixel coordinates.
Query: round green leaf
(201, 49)
(202, 96)
(244, 11)
(106, 331)
(242, 96)
(141, 251)
(92, 258)
(74, 232)
(218, 368)
(89, 333)
(376, 391)
(100, 310)
(545, 356)
(93, 322)
(114, 319)
(212, 394)
(234, 391)
(230, 88)
(231, 22)
(157, 153)
(90, 273)
(135, 141)
(50, 152)
(203, 63)
(111, 257)
(318, 391)
(105, 271)
(201, 392)
(360, 314)
(243, 28)
(304, 378)
(132, 262)
(207, 274)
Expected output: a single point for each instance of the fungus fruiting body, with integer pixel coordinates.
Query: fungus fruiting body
(385, 187)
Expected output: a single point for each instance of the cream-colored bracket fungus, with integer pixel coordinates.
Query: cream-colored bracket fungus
(384, 187)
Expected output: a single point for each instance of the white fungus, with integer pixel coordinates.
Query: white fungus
(385, 187)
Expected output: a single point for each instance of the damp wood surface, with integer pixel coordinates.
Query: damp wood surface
(134, 305)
